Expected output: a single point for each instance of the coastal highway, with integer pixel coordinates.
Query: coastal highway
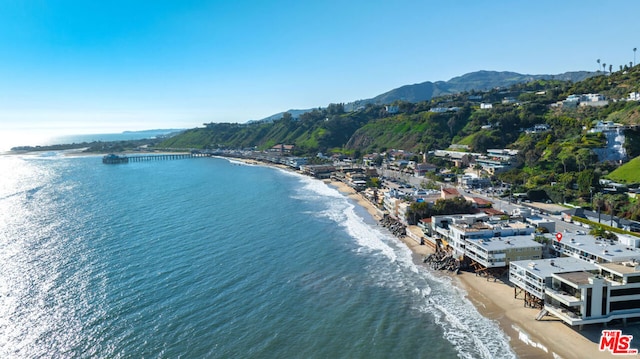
(506, 206)
(498, 202)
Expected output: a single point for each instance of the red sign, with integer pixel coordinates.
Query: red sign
(559, 236)
(616, 343)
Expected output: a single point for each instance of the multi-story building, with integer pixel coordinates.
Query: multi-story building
(534, 276)
(497, 160)
(612, 292)
(489, 241)
(499, 252)
(590, 99)
(592, 249)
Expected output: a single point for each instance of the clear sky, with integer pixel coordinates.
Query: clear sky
(108, 66)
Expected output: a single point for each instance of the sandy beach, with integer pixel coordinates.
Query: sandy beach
(547, 338)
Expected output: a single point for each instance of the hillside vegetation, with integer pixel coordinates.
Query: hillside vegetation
(458, 119)
(628, 172)
(415, 128)
(558, 164)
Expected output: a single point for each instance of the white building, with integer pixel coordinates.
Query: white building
(489, 241)
(583, 297)
(391, 109)
(444, 109)
(590, 99)
(534, 276)
(500, 251)
(605, 126)
(395, 205)
(592, 249)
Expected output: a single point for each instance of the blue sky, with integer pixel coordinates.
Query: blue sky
(107, 66)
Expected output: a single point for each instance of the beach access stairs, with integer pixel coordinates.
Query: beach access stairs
(542, 314)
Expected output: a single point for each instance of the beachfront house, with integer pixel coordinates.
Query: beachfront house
(318, 171)
(498, 252)
(488, 241)
(532, 276)
(593, 249)
(395, 205)
(584, 297)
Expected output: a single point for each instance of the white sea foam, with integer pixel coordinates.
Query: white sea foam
(235, 162)
(342, 211)
(473, 335)
(524, 337)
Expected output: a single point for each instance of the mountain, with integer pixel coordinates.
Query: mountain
(473, 81)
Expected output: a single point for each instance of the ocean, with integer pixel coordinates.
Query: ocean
(210, 258)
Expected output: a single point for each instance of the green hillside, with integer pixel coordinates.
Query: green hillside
(627, 173)
(451, 119)
(560, 163)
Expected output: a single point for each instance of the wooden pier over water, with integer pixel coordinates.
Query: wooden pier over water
(116, 159)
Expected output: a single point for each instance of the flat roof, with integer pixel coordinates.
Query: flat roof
(615, 251)
(578, 278)
(486, 226)
(538, 219)
(507, 242)
(622, 267)
(544, 268)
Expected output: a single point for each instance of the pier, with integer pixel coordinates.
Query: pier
(116, 159)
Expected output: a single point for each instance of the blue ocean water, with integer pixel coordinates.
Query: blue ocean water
(208, 258)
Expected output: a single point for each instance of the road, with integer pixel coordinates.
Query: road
(500, 204)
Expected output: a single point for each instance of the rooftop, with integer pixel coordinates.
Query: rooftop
(610, 250)
(483, 226)
(622, 268)
(506, 243)
(544, 268)
(578, 278)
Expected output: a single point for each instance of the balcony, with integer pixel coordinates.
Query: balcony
(566, 316)
(498, 255)
(563, 297)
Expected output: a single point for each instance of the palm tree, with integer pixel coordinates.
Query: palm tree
(598, 61)
(598, 201)
(604, 67)
(611, 203)
(634, 56)
(610, 67)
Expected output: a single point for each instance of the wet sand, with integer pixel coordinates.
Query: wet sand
(529, 339)
(547, 338)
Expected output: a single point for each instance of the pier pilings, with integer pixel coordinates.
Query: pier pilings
(115, 159)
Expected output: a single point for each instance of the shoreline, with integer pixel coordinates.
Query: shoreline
(528, 338)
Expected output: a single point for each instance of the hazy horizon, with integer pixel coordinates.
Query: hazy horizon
(75, 67)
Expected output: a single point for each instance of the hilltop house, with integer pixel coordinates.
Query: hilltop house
(591, 99)
(391, 109)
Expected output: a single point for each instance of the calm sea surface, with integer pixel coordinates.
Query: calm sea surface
(207, 258)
